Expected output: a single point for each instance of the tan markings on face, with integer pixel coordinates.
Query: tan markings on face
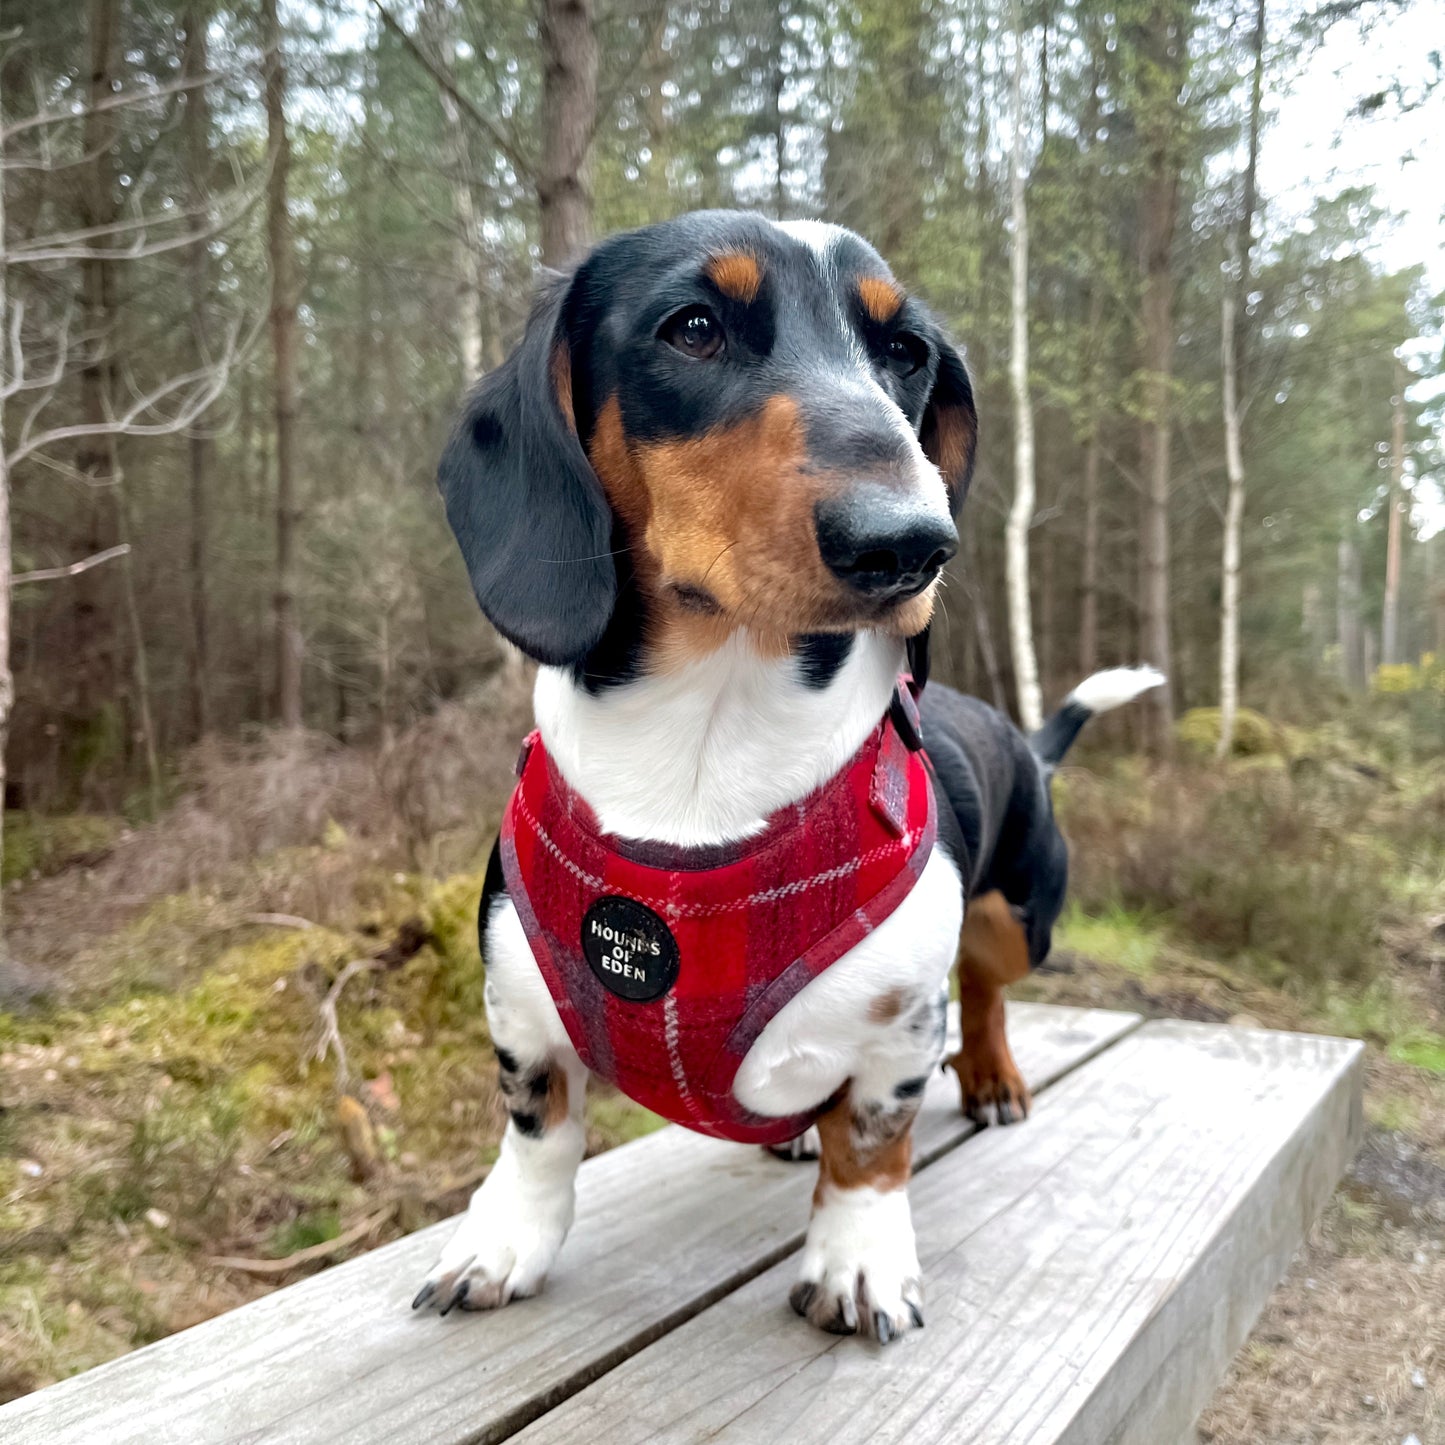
(556, 1111)
(887, 1006)
(881, 299)
(864, 1150)
(561, 369)
(721, 530)
(736, 274)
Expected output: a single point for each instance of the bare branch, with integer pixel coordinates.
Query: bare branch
(74, 569)
(445, 81)
(206, 385)
(312, 1252)
(64, 248)
(116, 102)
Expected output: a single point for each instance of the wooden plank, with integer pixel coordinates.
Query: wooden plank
(1088, 1275)
(664, 1226)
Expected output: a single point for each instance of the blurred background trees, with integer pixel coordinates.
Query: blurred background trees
(255, 252)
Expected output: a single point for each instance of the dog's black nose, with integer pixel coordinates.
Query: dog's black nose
(883, 545)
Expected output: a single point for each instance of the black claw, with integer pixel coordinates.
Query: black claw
(459, 1296)
(423, 1295)
(916, 1313)
(802, 1297)
(1005, 1112)
(882, 1327)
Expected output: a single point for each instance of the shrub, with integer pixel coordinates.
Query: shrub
(1197, 733)
(1274, 867)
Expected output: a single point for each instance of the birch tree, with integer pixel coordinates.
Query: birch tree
(1159, 54)
(1233, 310)
(1021, 513)
(1390, 649)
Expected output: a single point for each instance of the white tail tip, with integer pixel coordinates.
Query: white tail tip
(1113, 687)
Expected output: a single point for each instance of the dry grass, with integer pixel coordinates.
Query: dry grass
(281, 824)
(1351, 1347)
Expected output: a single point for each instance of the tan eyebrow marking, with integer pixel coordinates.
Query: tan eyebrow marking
(736, 274)
(881, 299)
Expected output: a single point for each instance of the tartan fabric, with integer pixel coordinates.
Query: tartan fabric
(753, 922)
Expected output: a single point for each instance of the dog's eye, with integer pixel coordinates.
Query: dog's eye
(906, 353)
(695, 332)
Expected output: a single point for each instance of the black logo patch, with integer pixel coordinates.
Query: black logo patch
(630, 949)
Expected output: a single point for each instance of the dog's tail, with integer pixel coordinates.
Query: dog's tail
(1101, 692)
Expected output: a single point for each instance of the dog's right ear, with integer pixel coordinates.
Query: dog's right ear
(527, 509)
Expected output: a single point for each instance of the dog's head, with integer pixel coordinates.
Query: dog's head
(733, 422)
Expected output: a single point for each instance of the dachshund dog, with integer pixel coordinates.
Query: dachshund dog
(711, 493)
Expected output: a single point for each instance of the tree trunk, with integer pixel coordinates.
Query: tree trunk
(198, 156)
(7, 681)
(1390, 649)
(1021, 513)
(569, 117)
(95, 643)
(1233, 526)
(1165, 57)
(777, 81)
(1236, 309)
(1347, 610)
(140, 663)
(440, 19)
(1089, 562)
(283, 349)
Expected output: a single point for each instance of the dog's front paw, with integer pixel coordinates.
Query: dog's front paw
(859, 1273)
(988, 1079)
(502, 1250)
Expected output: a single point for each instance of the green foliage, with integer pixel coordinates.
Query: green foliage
(40, 845)
(1197, 731)
(305, 1231)
(1422, 1051)
(1128, 940)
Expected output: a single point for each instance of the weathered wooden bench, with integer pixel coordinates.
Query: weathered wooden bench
(1089, 1275)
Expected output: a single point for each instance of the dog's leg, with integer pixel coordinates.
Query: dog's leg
(859, 1270)
(992, 952)
(518, 1218)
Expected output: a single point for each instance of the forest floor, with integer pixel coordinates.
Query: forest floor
(179, 1134)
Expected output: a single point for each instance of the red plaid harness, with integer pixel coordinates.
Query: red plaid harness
(667, 963)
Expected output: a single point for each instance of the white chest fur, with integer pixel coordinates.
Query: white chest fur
(703, 756)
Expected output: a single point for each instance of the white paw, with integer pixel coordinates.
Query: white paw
(502, 1250)
(808, 1145)
(859, 1273)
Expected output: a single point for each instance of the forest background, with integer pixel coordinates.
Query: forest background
(255, 731)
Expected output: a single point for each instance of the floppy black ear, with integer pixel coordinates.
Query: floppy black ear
(527, 509)
(949, 430)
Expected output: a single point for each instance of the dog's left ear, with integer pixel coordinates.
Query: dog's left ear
(528, 511)
(949, 430)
